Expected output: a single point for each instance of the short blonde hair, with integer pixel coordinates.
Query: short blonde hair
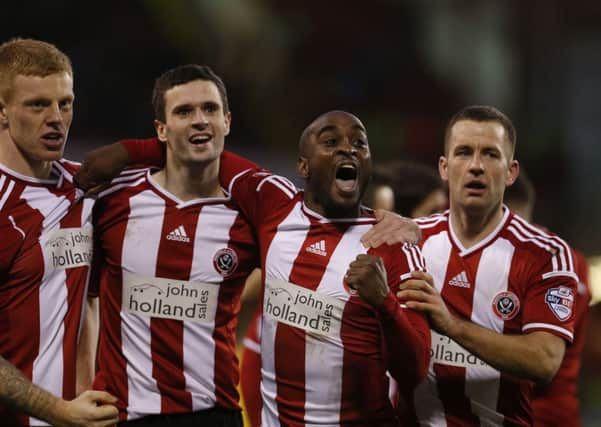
(29, 57)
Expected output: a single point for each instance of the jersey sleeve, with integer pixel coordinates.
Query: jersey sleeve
(145, 152)
(406, 333)
(549, 303)
(261, 195)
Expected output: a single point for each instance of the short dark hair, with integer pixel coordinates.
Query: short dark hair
(182, 75)
(482, 113)
(410, 182)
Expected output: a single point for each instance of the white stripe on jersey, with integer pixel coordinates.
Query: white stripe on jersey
(291, 242)
(323, 384)
(547, 326)
(6, 192)
(196, 340)
(53, 304)
(482, 383)
(139, 255)
(283, 184)
(428, 407)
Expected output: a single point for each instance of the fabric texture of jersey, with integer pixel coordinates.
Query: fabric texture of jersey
(167, 338)
(312, 372)
(517, 280)
(45, 253)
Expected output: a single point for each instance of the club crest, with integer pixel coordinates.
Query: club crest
(225, 261)
(506, 305)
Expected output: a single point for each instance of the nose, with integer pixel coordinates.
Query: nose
(54, 114)
(200, 118)
(347, 147)
(476, 164)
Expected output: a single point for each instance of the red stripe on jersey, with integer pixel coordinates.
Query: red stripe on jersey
(167, 334)
(226, 361)
(290, 362)
(457, 406)
(111, 375)
(75, 292)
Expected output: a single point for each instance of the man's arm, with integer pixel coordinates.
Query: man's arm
(92, 408)
(86, 347)
(391, 228)
(535, 356)
(406, 335)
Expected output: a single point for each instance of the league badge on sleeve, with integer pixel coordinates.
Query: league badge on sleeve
(560, 300)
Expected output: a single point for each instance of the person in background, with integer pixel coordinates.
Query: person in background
(557, 403)
(500, 292)
(45, 247)
(408, 188)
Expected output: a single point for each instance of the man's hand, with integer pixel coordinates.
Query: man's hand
(367, 276)
(100, 166)
(90, 409)
(419, 294)
(390, 229)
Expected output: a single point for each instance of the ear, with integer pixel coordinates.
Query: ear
(3, 115)
(443, 168)
(302, 168)
(161, 129)
(228, 122)
(512, 172)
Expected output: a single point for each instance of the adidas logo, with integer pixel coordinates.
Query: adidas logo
(461, 281)
(318, 248)
(179, 234)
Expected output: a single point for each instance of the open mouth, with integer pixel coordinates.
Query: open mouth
(346, 177)
(53, 138)
(475, 186)
(199, 139)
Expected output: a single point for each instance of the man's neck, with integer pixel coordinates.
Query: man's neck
(471, 226)
(14, 159)
(189, 183)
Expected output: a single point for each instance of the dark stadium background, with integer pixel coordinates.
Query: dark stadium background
(404, 67)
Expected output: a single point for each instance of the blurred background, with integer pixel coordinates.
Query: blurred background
(403, 66)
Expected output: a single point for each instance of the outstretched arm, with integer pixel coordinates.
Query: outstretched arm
(391, 228)
(535, 356)
(92, 408)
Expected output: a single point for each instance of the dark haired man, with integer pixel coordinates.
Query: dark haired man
(173, 254)
(502, 294)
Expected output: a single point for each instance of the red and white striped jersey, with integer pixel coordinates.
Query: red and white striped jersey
(46, 250)
(171, 275)
(557, 403)
(517, 280)
(325, 351)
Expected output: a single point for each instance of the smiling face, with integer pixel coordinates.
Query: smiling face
(335, 163)
(478, 165)
(195, 123)
(37, 115)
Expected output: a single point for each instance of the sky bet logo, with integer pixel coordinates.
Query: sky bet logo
(69, 247)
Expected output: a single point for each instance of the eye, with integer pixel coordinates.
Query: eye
(66, 105)
(183, 111)
(360, 143)
(211, 108)
(330, 141)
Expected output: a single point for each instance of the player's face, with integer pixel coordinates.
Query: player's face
(38, 115)
(478, 165)
(195, 123)
(337, 166)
